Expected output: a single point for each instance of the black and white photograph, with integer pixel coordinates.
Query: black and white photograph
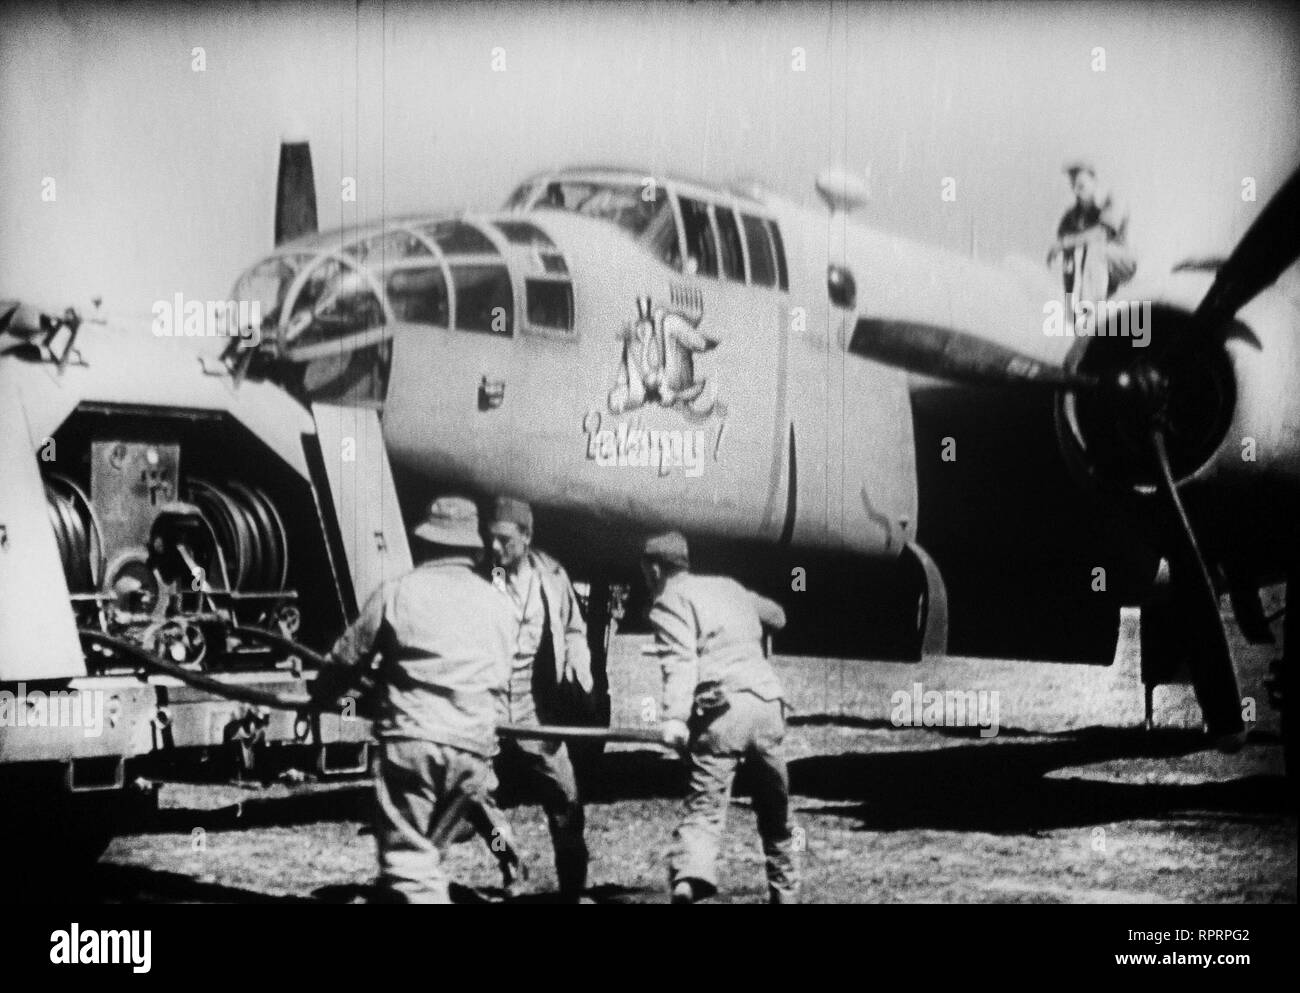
(650, 453)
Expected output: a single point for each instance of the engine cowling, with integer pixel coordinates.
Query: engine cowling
(1187, 381)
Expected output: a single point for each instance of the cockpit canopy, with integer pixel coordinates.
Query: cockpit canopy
(688, 226)
(449, 273)
(342, 291)
(631, 206)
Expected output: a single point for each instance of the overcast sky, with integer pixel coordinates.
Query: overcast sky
(165, 176)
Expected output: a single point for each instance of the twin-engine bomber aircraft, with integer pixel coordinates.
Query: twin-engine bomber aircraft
(879, 433)
(632, 351)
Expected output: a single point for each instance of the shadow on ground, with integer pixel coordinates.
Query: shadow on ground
(606, 893)
(110, 883)
(1005, 787)
(971, 785)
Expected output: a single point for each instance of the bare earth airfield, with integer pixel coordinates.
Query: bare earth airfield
(1072, 801)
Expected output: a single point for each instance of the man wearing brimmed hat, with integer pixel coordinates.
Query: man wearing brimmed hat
(723, 705)
(443, 638)
(551, 667)
(1092, 237)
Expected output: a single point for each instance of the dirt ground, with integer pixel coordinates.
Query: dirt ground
(1071, 801)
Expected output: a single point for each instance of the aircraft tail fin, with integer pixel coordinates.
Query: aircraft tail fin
(295, 192)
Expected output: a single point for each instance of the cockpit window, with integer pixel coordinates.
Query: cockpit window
(550, 303)
(459, 238)
(782, 275)
(631, 207)
(762, 262)
(733, 256)
(336, 300)
(418, 295)
(701, 249)
(519, 199)
(391, 246)
(484, 299)
(523, 233)
(661, 239)
(268, 282)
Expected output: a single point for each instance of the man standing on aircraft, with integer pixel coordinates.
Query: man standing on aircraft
(722, 704)
(1091, 239)
(551, 664)
(444, 639)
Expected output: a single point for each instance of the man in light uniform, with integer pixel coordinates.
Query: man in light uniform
(723, 705)
(551, 660)
(1093, 240)
(444, 640)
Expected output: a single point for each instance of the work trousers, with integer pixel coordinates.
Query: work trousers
(541, 770)
(749, 732)
(422, 790)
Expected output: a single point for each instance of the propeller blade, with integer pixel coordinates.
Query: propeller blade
(24, 319)
(295, 192)
(1213, 676)
(941, 352)
(1271, 244)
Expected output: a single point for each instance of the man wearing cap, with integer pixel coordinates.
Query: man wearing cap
(444, 639)
(551, 663)
(1098, 224)
(723, 705)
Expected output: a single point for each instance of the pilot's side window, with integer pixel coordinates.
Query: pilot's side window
(762, 263)
(661, 237)
(418, 296)
(484, 299)
(701, 251)
(550, 303)
(733, 256)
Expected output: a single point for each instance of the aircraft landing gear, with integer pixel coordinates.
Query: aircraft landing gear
(1158, 628)
(604, 609)
(1167, 635)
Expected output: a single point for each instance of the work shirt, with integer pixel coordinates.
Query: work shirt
(550, 648)
(1110, 214)
(1099, 269)
(446, 639)
(711, 628)
(524, 590)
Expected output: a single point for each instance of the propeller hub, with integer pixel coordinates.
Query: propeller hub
(1181, 382)
(1149, 391)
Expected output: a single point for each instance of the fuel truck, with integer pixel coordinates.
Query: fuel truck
(153, 506)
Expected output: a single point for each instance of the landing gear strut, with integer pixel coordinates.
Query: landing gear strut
(604, 610)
